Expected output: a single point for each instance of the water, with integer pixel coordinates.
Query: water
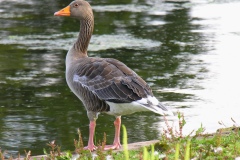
(188, 52)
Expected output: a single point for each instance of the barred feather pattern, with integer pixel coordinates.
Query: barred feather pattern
(86, 29)
(97, 80)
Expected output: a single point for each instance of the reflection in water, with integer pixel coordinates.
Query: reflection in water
(185, 51)
(220, 85)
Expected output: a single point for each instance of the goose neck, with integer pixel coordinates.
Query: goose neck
(86, 29)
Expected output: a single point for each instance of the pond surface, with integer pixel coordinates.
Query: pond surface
(188, 52)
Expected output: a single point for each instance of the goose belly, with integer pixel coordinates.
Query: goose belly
(76, 88)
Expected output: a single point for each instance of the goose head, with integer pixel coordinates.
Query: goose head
(78, 9)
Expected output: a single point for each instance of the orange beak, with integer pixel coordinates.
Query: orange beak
(63, 12)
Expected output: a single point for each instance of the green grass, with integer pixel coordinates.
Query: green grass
(224, 145)
(125, 144)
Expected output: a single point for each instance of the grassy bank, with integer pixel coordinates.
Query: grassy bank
(224, 144)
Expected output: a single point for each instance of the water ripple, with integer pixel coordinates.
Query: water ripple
(60, 42)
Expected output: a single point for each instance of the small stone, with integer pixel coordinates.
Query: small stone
(218, 150)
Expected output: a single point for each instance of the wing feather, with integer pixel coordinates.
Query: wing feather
(110, 80)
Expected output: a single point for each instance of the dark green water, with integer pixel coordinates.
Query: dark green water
(187, 51)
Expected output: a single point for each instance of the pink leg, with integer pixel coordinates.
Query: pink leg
(91, 145)
(116, 142)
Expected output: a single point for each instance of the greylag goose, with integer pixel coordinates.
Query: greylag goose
(104, 85)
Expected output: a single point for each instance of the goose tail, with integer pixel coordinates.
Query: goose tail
(151, 103)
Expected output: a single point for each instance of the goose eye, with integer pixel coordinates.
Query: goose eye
(76, 5)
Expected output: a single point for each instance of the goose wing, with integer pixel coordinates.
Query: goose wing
(110, 80)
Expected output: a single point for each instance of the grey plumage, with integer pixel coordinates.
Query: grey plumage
(103, 84)
(105, 80)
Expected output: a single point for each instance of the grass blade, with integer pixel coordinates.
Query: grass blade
(177, 151)
(145, 153)
(125, 144)
(187, 151)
